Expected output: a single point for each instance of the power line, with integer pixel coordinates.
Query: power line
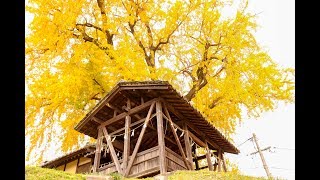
(244, 142)
(282, 168)
(284, 148)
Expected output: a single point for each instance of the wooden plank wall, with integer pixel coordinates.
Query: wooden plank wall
(145, 161)
(174, 161)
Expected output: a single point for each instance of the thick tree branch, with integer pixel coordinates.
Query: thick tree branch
(168, 37)
(104, 18)
(90, 25)
(215, 102)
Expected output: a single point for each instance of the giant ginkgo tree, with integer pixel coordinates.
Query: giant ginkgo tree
(78, 50)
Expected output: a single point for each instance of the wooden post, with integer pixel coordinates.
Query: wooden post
(112, 151)
(161, 143)
(188, 146)
(223, 162)
(97, 156)
(195, 157)
(136, 148)
(215, 165)
(219, 160)
(208, 154)
(126, 151)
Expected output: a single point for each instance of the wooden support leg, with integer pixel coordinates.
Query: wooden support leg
(126, 151)
(96, 162)
(223, 163)
(126, 143)
(215, 166)
(136, 148)
(188, 146)
(161, 143)
(208, 154)
(219, 160)
(195, 157)
(112, 151)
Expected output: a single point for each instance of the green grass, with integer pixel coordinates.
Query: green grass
(37, 173)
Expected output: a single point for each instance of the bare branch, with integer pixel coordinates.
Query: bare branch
(196, 40)
(90, 25)
(99, 84)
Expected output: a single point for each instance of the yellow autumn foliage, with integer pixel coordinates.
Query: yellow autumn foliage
(78, 50)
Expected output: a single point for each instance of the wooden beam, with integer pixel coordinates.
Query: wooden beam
(126, 151)
(111, 148)
(195, 157)
(208, 154)
(190, 125)
(161, 143)
(97, 120)
(97, 156)
(188, 146)
(141, 87)
(215, 166)
(223, 163)
(149, 126)
(197, 140)
(130, 112)
(113, 107)
(176, 138)
(219, 160)
(136, 148)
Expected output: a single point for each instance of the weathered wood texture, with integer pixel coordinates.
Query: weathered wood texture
(208, 154)
(140, 94)
(184, 158)
(145, 161)
(97, 156)
(161, 143)
(126, 152)
(112, 151)
(135, 151)
(188, 146)
(174, 161)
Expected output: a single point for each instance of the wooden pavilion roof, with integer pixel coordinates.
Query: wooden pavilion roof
(69, 156)
(149, 90)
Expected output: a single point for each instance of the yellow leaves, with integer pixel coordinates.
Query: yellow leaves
(68, 68)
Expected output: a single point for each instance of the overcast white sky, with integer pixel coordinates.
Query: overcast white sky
(277, 128)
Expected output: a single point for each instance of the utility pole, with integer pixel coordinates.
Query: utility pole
(261, 156)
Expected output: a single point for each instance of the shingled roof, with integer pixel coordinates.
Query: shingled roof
(69, 156)
(150, 90)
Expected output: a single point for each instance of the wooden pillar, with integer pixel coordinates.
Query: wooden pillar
(208, 154)
(161, 143)
(223, 162)
(112, 151)
(188, 146)
(215, 166)
(195, 157)
(219, 160)
(97, 156)
(126, 149)
(138, 143)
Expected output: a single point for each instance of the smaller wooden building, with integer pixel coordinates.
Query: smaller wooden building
(79, 161)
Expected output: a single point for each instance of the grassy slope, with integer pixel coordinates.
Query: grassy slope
(35, 173)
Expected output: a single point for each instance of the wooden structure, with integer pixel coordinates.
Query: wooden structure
(149, 128)
(79, 161)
